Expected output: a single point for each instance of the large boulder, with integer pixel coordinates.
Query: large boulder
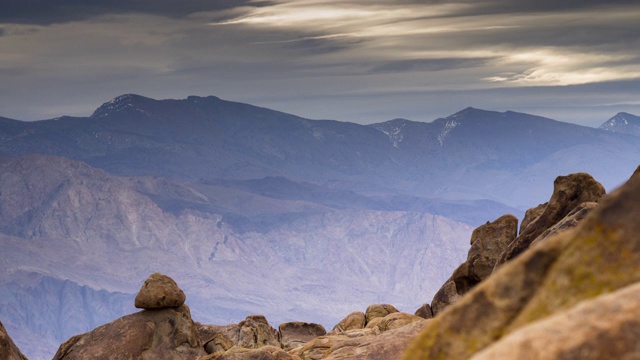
(255, 332)
(568, 192)
(530, 215)
(353, 321)
(294, 334)
(488, 242)
(150, 334)
(8, 349)
(599, 256)
(158, 292)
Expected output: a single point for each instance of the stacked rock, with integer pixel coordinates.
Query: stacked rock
(159, 292)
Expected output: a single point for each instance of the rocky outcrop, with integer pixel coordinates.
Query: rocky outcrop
(159, 292)
(164, 330)
(558, 280)
(8, 350)
(371, 342)
(295, 334)
(568, 192)
(487, 244)
(150, 334)
(362, 344)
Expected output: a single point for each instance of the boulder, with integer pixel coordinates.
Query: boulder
(568, 192)
(294, 334)
(150, 334)
(159, 292)
(599, 256)
(447, 295)
(424, 311)
(488, 242)
(255, 332)
(379, 310)
(530, 215)
(355, 320)
(8, 349)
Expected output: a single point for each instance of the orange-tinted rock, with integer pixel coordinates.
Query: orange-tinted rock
(159, 292)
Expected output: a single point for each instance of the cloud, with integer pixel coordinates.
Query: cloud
(46, 12)
(290, 53)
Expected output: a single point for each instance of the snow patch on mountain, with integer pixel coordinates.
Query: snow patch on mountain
(448, 126)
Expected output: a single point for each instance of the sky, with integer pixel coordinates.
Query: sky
(350, 60)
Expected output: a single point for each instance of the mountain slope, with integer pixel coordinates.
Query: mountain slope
(91, 235)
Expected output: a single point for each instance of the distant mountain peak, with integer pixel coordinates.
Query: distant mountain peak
(624, 123)
(120, 103)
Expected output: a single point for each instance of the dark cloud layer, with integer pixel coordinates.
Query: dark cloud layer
(44, 12)
(353, 60)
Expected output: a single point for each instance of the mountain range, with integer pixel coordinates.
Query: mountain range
(257, 211)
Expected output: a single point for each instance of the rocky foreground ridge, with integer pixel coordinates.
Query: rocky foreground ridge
(565, 285)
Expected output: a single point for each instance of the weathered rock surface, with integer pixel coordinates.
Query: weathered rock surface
(379, 310)
(353, 321)
(295, 334)
(606, 327)
(570, 221)
(488, 242)
(397, 320)
(158, 292)
(8, 350)
(268, 352)
(424, 311)
(530, 215)
(254, 332)
(150, 334)
(388, 345)
(568, 192)
(597, 257)
(447, 295)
